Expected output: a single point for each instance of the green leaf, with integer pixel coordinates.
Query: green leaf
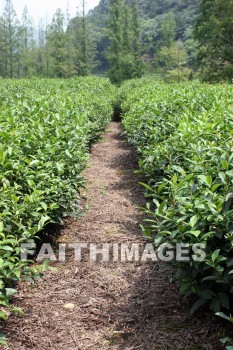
(43, 221)
(161, 187)
(60, 167)
(229, 196)
(222, 176)
(17, 310)
(3, 316)
(45, 265)
(1, 226)
(215, 187)
(202, 178)
(225, 164)
(225, 340)
(215, 255)
(161, 207)
(3, 339)
(10, 292)
(6, 248)
(222, 315)
(179, 169)
(195, 233)
(193, 220)
(174, 179)
(209, 180)
(147, 187)
(44, 206)
(197, 305)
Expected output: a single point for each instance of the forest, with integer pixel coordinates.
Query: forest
(176, 39)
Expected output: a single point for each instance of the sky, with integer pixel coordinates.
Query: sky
(40, 8)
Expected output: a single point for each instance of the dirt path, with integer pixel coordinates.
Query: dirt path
(107, 305)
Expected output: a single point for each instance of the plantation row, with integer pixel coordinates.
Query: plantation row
(184, 138)
(46, 128)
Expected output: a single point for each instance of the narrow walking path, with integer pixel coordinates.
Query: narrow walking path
(107, 305)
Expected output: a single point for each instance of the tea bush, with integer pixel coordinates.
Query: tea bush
(183, 135)
(46, 128)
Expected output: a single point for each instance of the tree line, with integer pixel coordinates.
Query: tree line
(62, 48)
(124, 44)
(178, 39)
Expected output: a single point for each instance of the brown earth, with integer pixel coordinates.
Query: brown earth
(119, 306)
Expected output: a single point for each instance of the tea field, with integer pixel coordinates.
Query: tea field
(183, 135)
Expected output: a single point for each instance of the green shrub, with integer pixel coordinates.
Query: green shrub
(46, 130)
(183, 135)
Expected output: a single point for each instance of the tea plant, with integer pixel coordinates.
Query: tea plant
(183, 135)
(46, 128)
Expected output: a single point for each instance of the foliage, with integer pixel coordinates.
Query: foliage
(46, 130)
(124, 49)
(56, 40)
(122, 38)
(183, 134)
(82, 48)
(214, 32)
(153, 19)
(63, 48)
(9, 36)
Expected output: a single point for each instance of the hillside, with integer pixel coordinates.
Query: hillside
(184, 11)
(153, 13)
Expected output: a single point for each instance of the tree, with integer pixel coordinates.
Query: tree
(85, 68)
(124, 36)
(26, 49)
(69, 46)
(214, 33)
(127, 59)
(40, 52)
(9, 43)
(171, 59)
(135, 29)
(116, 40)
(82, 42)
(56, 45)
(127, 39)
(168, 31)
(164, 56)
(136, 44)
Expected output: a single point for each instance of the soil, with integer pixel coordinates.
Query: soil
(119, 306)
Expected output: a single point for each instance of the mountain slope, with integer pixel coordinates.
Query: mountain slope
(153, 13)
(184, 12)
